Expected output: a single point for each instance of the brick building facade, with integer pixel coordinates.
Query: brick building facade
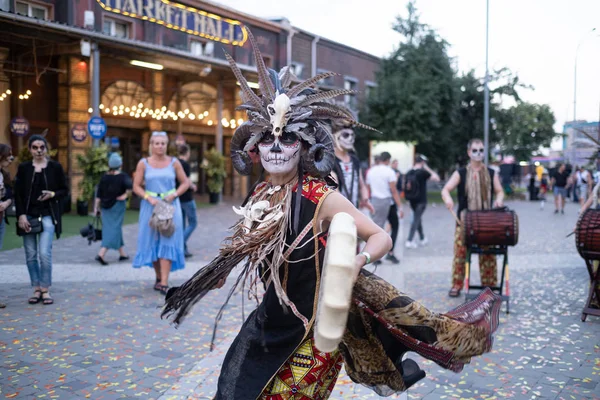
(180, 83)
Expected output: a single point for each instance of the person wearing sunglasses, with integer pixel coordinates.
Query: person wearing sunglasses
(477, 187)
(39, 187)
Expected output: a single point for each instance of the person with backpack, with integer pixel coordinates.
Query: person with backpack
(415, 192)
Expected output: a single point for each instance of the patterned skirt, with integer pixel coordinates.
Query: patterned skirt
(307, 375)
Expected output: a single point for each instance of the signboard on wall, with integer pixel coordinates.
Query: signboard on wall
(19, 126)
(79, 132)
(180, 17)
(97, 127)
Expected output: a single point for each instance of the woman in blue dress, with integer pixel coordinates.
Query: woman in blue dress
(158, 175)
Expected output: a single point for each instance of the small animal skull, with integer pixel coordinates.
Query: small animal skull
(279, 112)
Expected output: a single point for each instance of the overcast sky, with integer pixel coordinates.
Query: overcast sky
(535, 38)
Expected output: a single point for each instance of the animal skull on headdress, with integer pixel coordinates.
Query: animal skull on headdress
(279, 112)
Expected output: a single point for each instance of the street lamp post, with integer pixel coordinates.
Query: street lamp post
(575, 75)
(486, 90)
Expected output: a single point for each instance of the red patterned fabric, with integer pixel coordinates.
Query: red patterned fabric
(314, 188)
(307, 375)
(488, 268)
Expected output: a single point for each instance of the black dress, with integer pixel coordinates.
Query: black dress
(271, 333)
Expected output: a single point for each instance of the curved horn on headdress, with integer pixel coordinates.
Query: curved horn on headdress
(321, 157)
(240, 159)
(264, 82)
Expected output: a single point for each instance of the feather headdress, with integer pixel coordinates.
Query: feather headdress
(301, 109)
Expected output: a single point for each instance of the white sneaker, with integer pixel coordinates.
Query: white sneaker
(424, 241)
(410, 245)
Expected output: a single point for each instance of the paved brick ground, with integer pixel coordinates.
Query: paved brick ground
(103, 338)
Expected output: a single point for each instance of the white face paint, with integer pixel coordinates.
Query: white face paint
(280, 155)
(345, 139)
(476, 152)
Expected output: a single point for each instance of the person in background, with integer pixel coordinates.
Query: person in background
(188, 204)
(584, 184)
(544, 185)
(110, 204)
(381, 180)
(560, 184)
(392, 217)
(40, 185)
(477, 186)
(417, 180)
(6, 158)
(159, 174)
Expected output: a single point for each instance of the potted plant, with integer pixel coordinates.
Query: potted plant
(214, 165)
(93, 163)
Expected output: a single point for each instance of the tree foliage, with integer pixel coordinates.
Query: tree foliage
(524, 128)
(421, 99)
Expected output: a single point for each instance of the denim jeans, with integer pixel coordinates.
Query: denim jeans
(417, 222)
(39, 259)
(2, 229)
(190, 221)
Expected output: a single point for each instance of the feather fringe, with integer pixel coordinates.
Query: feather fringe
(260, 245)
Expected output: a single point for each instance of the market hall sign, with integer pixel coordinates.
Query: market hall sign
(180, 17)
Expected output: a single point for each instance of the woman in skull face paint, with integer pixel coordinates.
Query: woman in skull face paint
(281, 237)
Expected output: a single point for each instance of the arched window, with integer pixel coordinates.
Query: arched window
(198, 102)
(127, 98)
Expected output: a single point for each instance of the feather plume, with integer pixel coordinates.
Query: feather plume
(324, 96)
(309, 82)
(264, 81)
(286, 76)
(246, 91)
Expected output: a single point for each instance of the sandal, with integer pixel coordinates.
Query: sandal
(36, 298)
(164, 290)
(157, 285)
(46, 299)
(101, 261)
(123, 258)
(454, 292)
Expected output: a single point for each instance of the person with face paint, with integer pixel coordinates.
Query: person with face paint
(158, 174)
(477, 186)
(346, 170)
(40, 185)
(280, 241)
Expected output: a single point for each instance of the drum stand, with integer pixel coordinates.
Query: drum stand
(497, 250)
(594, 291)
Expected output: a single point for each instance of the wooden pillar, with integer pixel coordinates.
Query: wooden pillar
(73, 104)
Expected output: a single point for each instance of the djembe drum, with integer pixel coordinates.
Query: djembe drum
(587, 240)
(497, 227)
(490, 232)
(587, 235)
